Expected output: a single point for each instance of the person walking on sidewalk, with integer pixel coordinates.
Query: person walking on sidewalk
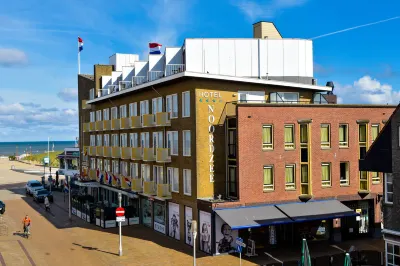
(27, 223)
(47, 203)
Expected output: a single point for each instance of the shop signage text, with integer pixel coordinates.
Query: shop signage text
(159, 227)
(211, 130)
(210, 94)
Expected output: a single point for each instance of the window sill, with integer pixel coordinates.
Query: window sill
(330, 186)
(290, 149)
(177, 192)
(187, 194)
(267, 149)
(187, 155)
(376, 183)
(290, 189)
(268, 190)
(185, 116)
(343, 147)
(345, 185)
(326, 148)
(388, 204)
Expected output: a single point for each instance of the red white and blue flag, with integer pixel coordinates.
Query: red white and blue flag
(128, 182)
(80, 44)
(109, 180)
(155, 48)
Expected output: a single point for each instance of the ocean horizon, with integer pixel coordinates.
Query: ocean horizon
(21, 147)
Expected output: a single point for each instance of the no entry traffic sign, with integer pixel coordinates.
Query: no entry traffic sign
(120, 212)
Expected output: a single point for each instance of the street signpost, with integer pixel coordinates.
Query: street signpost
(120, 213)
(240, 245)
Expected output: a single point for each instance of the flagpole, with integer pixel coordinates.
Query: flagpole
(79, 59)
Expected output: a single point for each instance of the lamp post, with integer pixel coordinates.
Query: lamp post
(69, 196)
(194, 232)
(120, 234)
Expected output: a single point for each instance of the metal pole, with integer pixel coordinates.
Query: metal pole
(120, 234)
(194, 231)
(240, 257)
(69, 196)
(48, 150)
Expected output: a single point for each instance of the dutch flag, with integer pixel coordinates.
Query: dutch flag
(128, 182)
(66, 189)
(101, 177)
(80, 44)
(154, 48)
(109, 179)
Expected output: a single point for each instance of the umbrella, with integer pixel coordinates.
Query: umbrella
(347, 260)
(305, 254)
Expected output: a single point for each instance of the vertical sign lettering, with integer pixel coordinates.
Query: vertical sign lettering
(211, 130)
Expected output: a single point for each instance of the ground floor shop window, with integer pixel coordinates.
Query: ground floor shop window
(205, 231)
(188, 224)
(225, 237)
(174, 220)
(392, 254)
(146, 212)
(159, 217)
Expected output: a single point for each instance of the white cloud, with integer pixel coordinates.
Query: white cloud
(367, 90)
(68, 94)
(10, 57)
(10, 109)
(265, 9)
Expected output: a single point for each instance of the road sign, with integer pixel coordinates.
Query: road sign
(46, 160)
(240, 244)
(120, 212)
(120, 218)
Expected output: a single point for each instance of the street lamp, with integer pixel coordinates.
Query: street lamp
(194, 232)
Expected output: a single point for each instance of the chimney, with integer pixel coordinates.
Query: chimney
(263, 30)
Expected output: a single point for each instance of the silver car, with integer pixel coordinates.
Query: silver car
(32, 186)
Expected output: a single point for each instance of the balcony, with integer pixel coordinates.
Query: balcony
(86, 106)
(135, 122)
(99, 125)
(148, 188)
(138, 80)
(99, 151)
(154, 75)
(124, 123)
(172, 69)
(163, 155)
(116, 152)
(92, 126)
(106, 151)
(136, 153)
(106, 125)
(148, 154)
(92, 150)
(92, 174)
(115, 123)
(123, 85)
(148, 120)
(85, 127)
(162, 119)
(163, 190)
(137, 184)
(126, 153)
(113, 88)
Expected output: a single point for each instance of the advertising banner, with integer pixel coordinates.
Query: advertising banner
(188, 224)
(205, 231)
(224, 237)
(159, 217)
(173, 211)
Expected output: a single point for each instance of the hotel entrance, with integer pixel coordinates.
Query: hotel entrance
(358, 226)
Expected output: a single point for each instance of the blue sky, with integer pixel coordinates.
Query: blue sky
(38, 48)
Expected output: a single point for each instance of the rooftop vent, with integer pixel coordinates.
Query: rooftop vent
(330, 84)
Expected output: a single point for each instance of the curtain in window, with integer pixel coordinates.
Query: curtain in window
(303, 134)
(362, 133)
(342, 133)
(289, 175)
(325, 173)
(288, 134)
(268, 179)
(304, 174)
(375, 132)
(267, 136)
(324, 134)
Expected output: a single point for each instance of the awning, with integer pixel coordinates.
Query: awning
(125, 193)
(315, 210)
(87, 184)
(248, 217)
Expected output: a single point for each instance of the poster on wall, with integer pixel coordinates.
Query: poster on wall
(188, 225)
(146, 212)
(159, 217)
(173, 211)
(205, 232)
(225, 237)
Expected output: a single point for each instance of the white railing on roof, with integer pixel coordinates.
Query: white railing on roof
(172, 69)
(138, 80)
(125, 85)
(154, 75)
(103, 92)
(91, 94)
(113, 88)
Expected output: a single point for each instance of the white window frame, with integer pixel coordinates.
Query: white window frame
(107, 165)
(187, 178)
(92, 163)
(158, 175)
(392, 254)
(184, 104)
(114, 140)
(92, 140)
(158, 141)
(269, 187)
(144, 107)
(99, 140)
(98, 115)
(124, 168)
(106, 114)
(134, 170)
(386, 188)
(133, 109)
(170, 142)
(124, 140)
(329, 182)
(99, 164)
(115, 166)
(114, 113)
(156, 105)
(92, 117)
(171, 105)
(133, 140)
(184, 140)
(144, 140)
(106, 140)
(145, 173)
(122, 111)
(173, 178)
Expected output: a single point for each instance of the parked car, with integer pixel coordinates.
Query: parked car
(33, 185)
(2, 207)
(39, 195)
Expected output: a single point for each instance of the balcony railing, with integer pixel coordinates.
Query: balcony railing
(148, 120)
(163, 190)
(99, 151)
(107, 125)
(103, 92)
(136, 153)
(106, 151)
(92, 150)
(163, 156)
(92, 174)
(113, 88)
(92, 126)
(125, 85)
(99, 125)
(138, 80)
(137, 184)
(172, 69)
(124, 123)
(162, 119)
(116, 152)
(85, 127)
(154, 75)
(148, 188)
(126, 153)
(135, 122)
(148, 154)
(115, 124)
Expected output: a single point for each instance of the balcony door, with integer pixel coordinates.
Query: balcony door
(158, 140)
(158, 174)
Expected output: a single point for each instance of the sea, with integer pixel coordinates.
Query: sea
(12, 148)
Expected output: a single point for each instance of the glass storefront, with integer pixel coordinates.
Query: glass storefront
(159, 217)
(147, 212)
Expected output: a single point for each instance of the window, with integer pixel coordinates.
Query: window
(134, 170)
(186, 143)
(304, 179)
(290, 177)
(100, 164)
(92, 163)
(99, 140)
(98, 115)
(362, 139)
(251, 96)
(172, 105)
(232, 181)
(289, 137)
(268, 178)
(114, 140)
(343, 135)
(173, 178)
(326, 175)
(284, 97)
(186, 104)
(187, 182)
(344, 174)
(156, 105)
(124, 140)
(158, 174)
(325, 136)
(392, 254)
(303, 135)
(144, 107)
(124, 168)
(106, 140)
(388, 188)
(133, 140)
(158, 141)
(114, 113)
(376, 179)
(122, 111)
(231, 143)
(144, 140)
(115, 167)
(145, 172)
(374, 131)
(133, 109)
(92, 117)
(92, 140)
(172, 142)
(106, 114)
(363, 180)
(107, 165)
(268, 137)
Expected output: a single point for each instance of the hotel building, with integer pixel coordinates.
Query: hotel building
(233, 133)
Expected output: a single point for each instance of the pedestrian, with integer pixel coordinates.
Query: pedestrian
(57, 179)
